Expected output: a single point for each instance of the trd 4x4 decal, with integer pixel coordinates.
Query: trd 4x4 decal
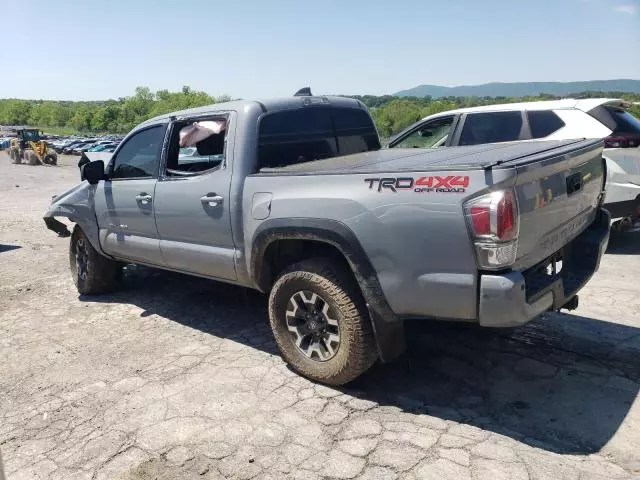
(448, 184)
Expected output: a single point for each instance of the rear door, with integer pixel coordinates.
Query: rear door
(193, 203)
(124, 204)
(491, 127)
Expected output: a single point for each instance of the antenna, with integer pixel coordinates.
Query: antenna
(303, 92)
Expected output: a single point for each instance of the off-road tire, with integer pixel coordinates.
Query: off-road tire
(50, 159)
(357, 351)
(15, 156)
(102, 274)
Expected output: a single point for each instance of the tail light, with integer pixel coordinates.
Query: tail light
(616, 142)
(494, 221)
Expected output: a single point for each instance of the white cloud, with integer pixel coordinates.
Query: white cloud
(628, 9)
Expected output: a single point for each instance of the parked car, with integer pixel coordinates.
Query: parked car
(82, 147)
(549, 120)
(346, 239)
(60, 145)
(86, 147)
(103, 142)
(68, 149)
(101, 147)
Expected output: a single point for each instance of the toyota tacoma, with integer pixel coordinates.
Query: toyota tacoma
(294, 197)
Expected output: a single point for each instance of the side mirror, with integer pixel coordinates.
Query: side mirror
(93, 172)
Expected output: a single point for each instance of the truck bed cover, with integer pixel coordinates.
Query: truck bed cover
(510, 154)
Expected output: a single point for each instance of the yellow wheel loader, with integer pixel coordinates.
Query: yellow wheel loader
(29, 148)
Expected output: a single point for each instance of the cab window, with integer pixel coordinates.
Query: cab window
(296, 136)
(543, 123)
(431, 134)
(197, 147)
(139, 156)
(491, 127)
(314, 133)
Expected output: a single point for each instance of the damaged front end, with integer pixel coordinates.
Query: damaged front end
(76, 204)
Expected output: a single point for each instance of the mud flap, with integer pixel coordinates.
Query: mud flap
(390, 337)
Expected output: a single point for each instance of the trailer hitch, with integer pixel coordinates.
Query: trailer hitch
(571, 304)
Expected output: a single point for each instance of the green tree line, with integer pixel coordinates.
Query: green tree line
(110, 116)
(390, 113)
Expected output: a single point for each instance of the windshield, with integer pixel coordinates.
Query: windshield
(30, 136)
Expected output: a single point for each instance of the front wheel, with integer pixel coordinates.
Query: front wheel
(92, 273)
(14, 154)
(320, 322)
(50, 159)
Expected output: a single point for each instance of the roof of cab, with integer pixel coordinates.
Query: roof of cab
(267, 105)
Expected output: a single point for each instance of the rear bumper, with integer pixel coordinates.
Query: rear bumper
(514, 298)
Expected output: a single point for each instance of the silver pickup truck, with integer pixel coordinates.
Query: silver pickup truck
(295, 198)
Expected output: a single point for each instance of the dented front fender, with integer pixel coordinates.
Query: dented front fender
(76, 204)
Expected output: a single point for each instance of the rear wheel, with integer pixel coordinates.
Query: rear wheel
(92, 273)
(320, 322)
(31, 158)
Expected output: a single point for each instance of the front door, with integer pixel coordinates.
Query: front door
(124, 203)
(193, 204)
(429, 134)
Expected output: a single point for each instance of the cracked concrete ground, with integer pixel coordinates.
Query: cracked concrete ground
(176, 377)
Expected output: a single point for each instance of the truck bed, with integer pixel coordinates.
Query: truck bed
(510, 154)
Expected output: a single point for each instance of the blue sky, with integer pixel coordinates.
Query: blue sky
(255, 48)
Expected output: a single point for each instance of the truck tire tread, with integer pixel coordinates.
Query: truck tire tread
(329, 279)
(103, 274)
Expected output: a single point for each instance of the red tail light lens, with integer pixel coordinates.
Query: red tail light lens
(494, 216)
(506, 224)
(480, 220)
(494, 221)
(616, 142)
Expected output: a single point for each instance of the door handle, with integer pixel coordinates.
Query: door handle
(143, 198)
(212, 200)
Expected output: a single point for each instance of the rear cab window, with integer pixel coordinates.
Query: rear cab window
(491, 127)
(355, 132)
(311, 133)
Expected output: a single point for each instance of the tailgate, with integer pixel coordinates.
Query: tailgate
(558, 198)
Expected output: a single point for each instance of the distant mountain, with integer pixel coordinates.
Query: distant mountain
(523, 89)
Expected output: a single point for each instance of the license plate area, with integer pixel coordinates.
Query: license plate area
(542, 276)
(566, 271)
